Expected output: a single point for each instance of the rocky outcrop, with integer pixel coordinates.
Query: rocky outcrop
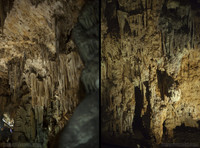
(86, 36)
(39, 68)
(149, 67)
(83, 127)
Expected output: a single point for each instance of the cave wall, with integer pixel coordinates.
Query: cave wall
(39, 68)
(153, 47)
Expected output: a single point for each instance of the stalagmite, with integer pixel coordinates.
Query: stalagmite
(42, 80)
(163, 34)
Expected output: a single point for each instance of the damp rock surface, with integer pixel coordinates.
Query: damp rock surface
(149, 67)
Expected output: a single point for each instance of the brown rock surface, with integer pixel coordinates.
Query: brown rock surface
(39, 67)
(149, 68)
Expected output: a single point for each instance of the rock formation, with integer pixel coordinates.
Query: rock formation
(82, 130)
(40, 68)
(149, 68)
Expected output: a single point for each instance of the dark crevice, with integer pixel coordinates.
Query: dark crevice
(147, 116)
(138, 121)
(113, 25)
(195, 4)
(5, 7)
(165, 136)
(127, 28)
(164, 83)
(36, 2)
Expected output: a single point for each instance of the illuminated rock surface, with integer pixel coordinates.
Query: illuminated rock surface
(39, 67)
(150, 70)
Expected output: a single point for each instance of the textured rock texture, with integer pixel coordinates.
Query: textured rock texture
(150, 67)
(82, 130)
(85, 122)
(86, 36)
(39, 67)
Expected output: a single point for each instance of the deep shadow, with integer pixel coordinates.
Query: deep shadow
(5, 7)
(147, 116)
(185, 134)
(164, 83)
(137, 122)
(165, 136)
(113, 25)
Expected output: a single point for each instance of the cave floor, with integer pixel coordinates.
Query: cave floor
(127, 141)
(186, 135)
(183, 137)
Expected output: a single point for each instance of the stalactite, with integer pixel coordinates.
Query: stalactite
(167, 44)
(1, 15)
(190, 25)
(46, 93)
(176, 31)
(32, 77)
(162, 46)
(143, 4)
(171, 47)
(193, 33)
